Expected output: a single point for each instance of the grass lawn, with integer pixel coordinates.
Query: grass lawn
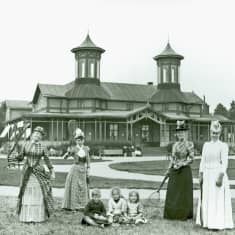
(68, 223)
(159, 167)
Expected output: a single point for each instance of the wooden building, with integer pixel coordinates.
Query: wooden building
(111, 111)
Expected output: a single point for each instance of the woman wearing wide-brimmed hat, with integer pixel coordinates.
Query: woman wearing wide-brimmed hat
(76, 186)
(35, 202)
(179, 197)
(214, 207)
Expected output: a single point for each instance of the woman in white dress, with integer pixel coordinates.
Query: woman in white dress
(214, 206)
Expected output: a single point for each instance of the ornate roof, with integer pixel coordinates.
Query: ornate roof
(88, 44)
(168, 52)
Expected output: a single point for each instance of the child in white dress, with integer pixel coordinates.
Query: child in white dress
(135, 209)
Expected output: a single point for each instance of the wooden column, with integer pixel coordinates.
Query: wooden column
(127, 132)
(100, 130)
(52, 130)
(62, 130)
(95, 129)
(57, 130)
(105, 130)
(131, 131)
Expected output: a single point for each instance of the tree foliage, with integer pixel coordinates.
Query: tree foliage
(221, 110)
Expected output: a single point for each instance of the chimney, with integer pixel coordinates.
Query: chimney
(150, 83)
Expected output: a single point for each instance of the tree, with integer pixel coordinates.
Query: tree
(231, 111)
(221, 110)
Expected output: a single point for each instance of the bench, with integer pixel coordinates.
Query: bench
(112, 152)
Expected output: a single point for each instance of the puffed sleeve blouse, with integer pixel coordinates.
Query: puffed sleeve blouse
(183, 152)
(214, 155)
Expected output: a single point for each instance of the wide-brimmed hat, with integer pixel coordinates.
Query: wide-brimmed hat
(181, 126)
(40, 130)
(215, 126)
(78, 133)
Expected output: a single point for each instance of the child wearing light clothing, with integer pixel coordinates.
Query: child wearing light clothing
(135, 209)
(117, 208)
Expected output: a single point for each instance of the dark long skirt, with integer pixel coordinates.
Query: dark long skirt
(179, 196)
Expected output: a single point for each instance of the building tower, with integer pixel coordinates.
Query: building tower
(168, 68)
(87, 62)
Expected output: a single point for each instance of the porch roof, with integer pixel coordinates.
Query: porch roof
(210, 117)
(100, 114)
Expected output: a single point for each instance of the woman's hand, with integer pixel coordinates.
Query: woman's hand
(219, 181)
(52, 174)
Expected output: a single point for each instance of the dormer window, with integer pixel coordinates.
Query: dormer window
(82, 68)
(91, 68)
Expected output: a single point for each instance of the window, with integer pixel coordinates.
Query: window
(91, 70)
(173, 74)
(113, 131)
(98, 69)
(158, 75)
(164, 75)
(145, 133)
(81, 68)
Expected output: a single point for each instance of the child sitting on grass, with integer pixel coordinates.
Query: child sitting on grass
(95, 212)
(117, 207)
(135, 209)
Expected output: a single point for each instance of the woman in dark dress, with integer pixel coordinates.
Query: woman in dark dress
(179, 197)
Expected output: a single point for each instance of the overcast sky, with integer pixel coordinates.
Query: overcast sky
(37, 36)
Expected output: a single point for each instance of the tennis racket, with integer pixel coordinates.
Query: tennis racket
(154, 197)
(72, 125)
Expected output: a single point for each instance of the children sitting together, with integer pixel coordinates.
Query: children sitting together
(119, 210)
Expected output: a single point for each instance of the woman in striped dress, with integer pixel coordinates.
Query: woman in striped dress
(35, 202)
(76, 186)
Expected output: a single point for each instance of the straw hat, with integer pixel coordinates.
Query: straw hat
(215, 126)
(181, 126)
(78, 133)
(40, 130)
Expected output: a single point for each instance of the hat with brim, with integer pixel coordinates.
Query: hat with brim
(78, 134)
(40, 130)
(215, 126)
(181, 126)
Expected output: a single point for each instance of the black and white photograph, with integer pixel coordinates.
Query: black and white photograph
(117, 117)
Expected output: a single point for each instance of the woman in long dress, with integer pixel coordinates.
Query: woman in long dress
(76, 193)
(179, 197)
(215, 209)
(35, 202)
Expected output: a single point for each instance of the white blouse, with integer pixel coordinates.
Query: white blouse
(214, 156)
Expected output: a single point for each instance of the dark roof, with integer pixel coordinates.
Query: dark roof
(172, 95)
(106, 90)
(87, 91)
(192, 98)
(88, 44)
(129, 92)
(168, 52)
(18, 104)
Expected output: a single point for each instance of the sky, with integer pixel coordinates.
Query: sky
(37, 36)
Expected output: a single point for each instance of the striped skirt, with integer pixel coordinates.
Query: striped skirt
(76, 188)
(33, 209)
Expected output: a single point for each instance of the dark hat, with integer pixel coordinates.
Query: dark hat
(181, 126)
(39, 129)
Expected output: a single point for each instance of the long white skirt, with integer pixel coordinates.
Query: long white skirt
(33, 209)
(216, 202)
